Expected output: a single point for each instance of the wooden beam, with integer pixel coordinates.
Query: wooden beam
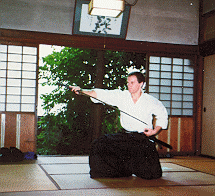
(207, 48)
(93, 42)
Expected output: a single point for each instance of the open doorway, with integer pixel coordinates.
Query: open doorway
(68, 122)
(45, 50)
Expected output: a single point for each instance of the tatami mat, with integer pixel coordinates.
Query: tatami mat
(189, 190)
(24, 177)
(67, 168)
(69, 175)
(204, 166)
(149, 191)
(54, 169)
(167, 167)
(81, 181)
(62, 159)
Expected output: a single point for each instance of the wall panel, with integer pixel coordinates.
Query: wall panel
(173, 128)
(187, 139)
(27, 136)
(160, 21)
(19, 131)
(208, 113)
(208, 5)
(209, 28)
(180, 135)
(10, 130)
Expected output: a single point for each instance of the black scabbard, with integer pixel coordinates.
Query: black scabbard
(160, 142)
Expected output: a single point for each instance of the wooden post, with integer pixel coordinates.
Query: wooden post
(98, 108)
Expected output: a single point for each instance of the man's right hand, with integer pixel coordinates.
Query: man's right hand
(75, 89)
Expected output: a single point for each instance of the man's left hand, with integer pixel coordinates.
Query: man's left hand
(149, 132)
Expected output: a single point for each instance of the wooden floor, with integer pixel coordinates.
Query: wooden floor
(69, 175)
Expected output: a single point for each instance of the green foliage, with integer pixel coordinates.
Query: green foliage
(69, 130)
(48, 140)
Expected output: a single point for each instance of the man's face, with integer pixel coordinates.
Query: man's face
(133, 84)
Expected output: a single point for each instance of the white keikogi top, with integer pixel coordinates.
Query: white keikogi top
(143, 109)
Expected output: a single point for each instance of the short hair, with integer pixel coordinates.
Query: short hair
(139, 75)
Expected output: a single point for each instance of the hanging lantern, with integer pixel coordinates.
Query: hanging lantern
(112, 8)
